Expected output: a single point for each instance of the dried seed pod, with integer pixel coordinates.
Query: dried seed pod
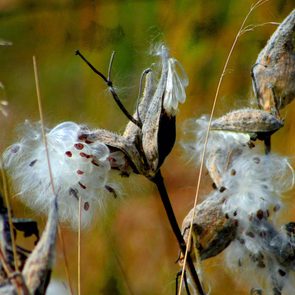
(273, 74)
(255, 122)
(153, 119)
(219, 161)
(132, 131)
(116, 142)
(159, 130)
(37, 268)
(256, 291)
(150, 136)
(212, 229)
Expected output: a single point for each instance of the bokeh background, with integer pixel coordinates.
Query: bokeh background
(130, 248)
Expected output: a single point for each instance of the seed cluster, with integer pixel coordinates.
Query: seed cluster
(79, 169)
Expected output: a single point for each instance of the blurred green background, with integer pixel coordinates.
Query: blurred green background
(130, 248)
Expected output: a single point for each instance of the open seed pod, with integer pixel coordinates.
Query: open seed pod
(146, 145)
(35, 269)
(212, 229)
(273, 74)
(158, 128)
(257, 123)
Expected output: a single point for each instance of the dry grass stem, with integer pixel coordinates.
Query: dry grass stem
(48, 161)
(253, 7)
(79, 247)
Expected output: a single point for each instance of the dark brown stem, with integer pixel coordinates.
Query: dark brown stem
(109, 83)
(159, 181)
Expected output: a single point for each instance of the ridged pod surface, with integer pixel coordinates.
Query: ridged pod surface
(274, 71)
(248, 121)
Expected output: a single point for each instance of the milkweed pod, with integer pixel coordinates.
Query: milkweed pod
(132, 131)
(39, 264)
(273, 74)
(248, 121)
(123, 150)
(158, 131)
(212, 230)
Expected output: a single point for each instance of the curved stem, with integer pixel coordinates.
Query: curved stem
(159, 181)
(109, 83)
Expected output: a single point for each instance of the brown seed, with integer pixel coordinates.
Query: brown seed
(94, 163)
(69, 154)
(84, 155)
(74, 193)
(261, 264)
(82, 137)
(82, 185)
(86, 206)
(256, 160)
(250, 234)
(33, 163)
(259, 214)
(214, 186)
(15, 149)
(79, 146)
(222, 189)
(262, 234)
(281, 272)
(233, 172)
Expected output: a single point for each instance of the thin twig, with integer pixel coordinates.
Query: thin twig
(111, 87)
(252, 27)
(42, 125)
(111, 65)
(185, 284)
(65, 259)
(158, 180)
(47, 153)
(8, 270)
(186, 256)
(79, 247)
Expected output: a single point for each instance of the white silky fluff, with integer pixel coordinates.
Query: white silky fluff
(177, 81)
(252, 180)
(253, 184)
(219, 143)
(175, 87)
(57, 287)
(79, 170)
(258, 184)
